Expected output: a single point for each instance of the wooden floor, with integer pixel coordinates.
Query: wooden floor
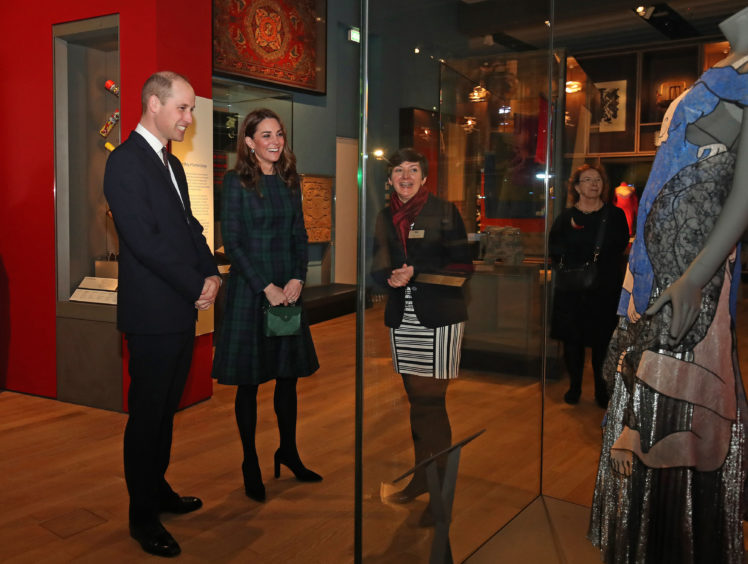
(63, 497)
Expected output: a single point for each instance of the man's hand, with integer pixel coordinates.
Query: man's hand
(210, 291)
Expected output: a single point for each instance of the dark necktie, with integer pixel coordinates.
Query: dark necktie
(166, 164)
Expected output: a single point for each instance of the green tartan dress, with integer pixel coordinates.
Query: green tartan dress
(266, 241)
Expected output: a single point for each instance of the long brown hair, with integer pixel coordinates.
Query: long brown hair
(572, 196)
(247, 165)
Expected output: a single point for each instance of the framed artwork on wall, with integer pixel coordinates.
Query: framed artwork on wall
(611, 105)
(282, 42)
(317, 202)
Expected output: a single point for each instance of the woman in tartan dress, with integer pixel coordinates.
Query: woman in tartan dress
(264, 235)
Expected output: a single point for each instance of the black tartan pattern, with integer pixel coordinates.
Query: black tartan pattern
(266, 240)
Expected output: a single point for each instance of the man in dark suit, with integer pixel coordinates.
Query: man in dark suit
(166, 274)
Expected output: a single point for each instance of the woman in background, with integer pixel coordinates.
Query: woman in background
(264, 235)
(587, 318)
(422, 257)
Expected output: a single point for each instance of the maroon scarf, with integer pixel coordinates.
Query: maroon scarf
(404, 214)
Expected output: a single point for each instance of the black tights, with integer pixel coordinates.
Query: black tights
(429, 421)
(284, 402)
(574, 359)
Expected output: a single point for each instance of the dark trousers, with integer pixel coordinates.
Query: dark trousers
(429, 422)
(159, 366)
(574, 359)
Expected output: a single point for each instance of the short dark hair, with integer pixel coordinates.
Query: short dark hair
(159, 84)
(410, 155)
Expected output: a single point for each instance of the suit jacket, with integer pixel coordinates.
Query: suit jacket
(443, 249)
(163, 256)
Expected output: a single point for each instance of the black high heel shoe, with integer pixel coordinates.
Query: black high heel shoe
(253, 486)
(302, 473)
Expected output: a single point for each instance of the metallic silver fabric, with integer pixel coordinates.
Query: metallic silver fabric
(677, 412)
(665, 515)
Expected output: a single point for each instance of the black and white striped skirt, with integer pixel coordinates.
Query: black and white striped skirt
(424, 351)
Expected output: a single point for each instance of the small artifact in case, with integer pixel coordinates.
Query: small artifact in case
(111, 121)
(112, 87)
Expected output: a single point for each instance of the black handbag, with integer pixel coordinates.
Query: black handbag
(585, 277)
(282, 321)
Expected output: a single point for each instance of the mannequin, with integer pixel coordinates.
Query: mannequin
(625, 198)
(673, 462)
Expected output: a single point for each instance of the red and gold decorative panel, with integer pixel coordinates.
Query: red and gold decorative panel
(278, 41)
(316, 193)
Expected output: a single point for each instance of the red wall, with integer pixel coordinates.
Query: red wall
(154, 35)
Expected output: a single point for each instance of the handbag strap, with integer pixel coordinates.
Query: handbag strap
(600, 233)
(599, 239)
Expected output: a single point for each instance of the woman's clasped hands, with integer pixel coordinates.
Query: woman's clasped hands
(400, 276)
(289, 294)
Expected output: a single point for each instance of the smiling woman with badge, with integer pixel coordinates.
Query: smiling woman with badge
(421, 257)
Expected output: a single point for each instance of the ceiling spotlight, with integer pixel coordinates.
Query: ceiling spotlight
(645, 11)
(666, 20)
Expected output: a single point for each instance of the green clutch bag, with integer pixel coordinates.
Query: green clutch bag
(282, 321)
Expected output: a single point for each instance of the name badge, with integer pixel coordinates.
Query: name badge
(416, 233)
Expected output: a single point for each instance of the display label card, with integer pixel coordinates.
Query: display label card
(440, 279)
(97, 283)
(94, 296)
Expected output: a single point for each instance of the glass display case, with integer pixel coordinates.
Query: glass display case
(615, 102)
(89, 351)
(483, 100)
(665, 75)
(86, 129)
(482, 125)
(494, 120)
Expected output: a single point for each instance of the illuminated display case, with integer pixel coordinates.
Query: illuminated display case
(89, 350)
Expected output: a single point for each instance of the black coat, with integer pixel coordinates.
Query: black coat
(443, 249)
(588, 317)
(163, 256)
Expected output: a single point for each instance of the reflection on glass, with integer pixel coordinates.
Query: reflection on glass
(421, 257)
(481, 125)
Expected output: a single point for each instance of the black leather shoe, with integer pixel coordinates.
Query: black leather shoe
(255, 491)
(156, 540)
(572, 397)
(293, 463)
(184, 504)
(253, 486)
